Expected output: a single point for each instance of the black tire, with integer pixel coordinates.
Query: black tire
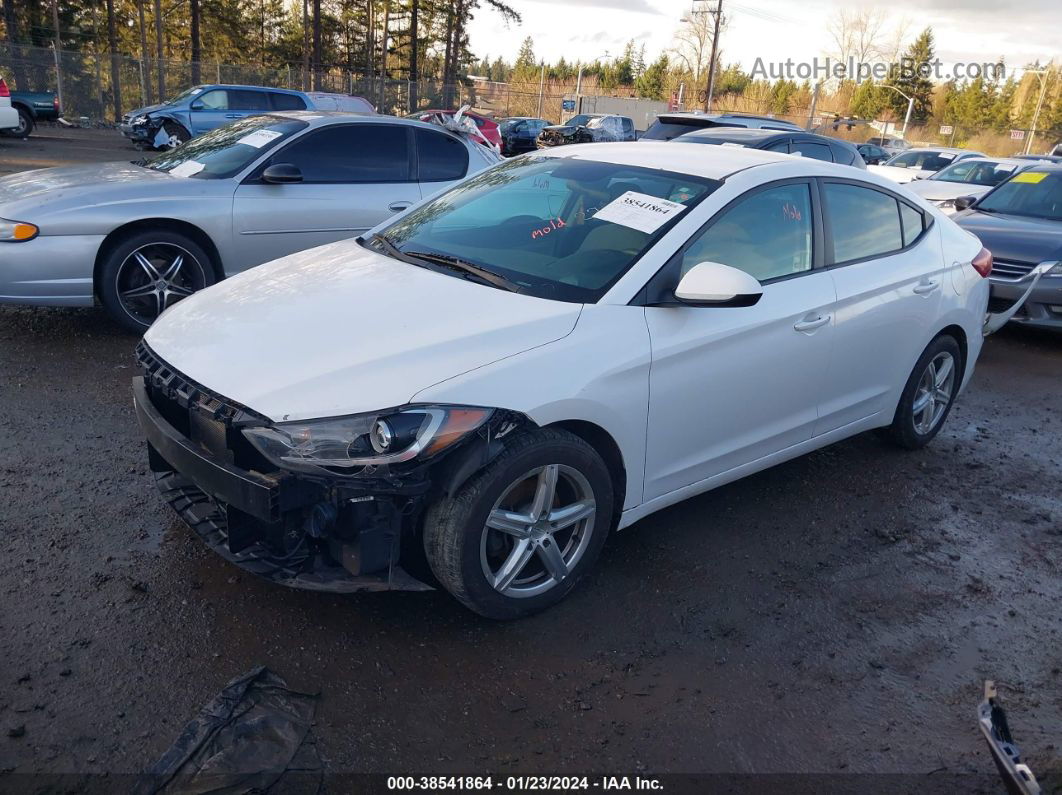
(905, 430)
(178, 135)
(195, 272)
(456, 537)
(25, 125)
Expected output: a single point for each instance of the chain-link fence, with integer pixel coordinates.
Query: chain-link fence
(99, 87)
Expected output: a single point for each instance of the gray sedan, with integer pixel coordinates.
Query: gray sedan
(139, 236)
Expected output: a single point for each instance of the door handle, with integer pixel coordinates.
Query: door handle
(233, 116)
(398, 207)
(926, 287)
(810, 324)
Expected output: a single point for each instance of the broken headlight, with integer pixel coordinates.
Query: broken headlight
(366, 440)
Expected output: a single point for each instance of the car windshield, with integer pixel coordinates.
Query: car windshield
(1033, 193)
(975, 172)
(932, 160)
(227, 150)
(191, 92)
(557, 228)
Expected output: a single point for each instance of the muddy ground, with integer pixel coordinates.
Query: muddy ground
(834, 615)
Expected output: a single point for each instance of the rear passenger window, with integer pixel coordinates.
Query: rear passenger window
(248, 100)
(864, 222)
(287, 102)
(813, 150)
(441, 157)
(913, 223)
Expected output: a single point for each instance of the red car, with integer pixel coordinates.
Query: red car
(490, 129)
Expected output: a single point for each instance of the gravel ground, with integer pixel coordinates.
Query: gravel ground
(834, 615)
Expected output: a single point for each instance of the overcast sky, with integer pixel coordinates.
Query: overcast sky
(965, 30)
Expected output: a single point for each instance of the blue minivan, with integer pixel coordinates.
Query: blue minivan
(203, 108)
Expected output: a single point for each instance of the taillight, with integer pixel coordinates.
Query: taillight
(4, 91)
(55, 102)
(983, 262)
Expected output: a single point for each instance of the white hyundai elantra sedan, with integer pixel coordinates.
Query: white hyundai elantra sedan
(474, 394)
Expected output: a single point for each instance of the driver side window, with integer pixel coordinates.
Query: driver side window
(213, 100)
(767, 234)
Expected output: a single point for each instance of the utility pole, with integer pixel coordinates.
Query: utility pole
(414, 74)
(58, 48)
(1045, 77)
(541, 86)
(711, 64)
(305, 45)
(814, 103)
(160, 63)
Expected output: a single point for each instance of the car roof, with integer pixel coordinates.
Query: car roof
(1009, 161)
(322, 118)
(713, 162)
(736, 134)
(953, 149)
(212, 86)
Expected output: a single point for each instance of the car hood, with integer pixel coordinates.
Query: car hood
(340, 330)
(1012, 237)
(939, 190)
(146, 110)
(899, 174)
(54, 191)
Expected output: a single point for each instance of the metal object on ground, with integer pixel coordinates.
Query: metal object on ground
(1017, 776)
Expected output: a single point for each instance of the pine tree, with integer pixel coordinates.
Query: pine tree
(911, 76)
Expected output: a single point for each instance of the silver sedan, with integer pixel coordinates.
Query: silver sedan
(139, 236)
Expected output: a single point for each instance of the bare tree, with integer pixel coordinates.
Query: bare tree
(11, 26)
(692, 47)
(858, 37)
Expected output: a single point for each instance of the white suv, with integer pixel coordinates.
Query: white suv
(476, 393)
(8, 115)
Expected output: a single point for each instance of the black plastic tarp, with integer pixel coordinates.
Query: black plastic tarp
(254, 736)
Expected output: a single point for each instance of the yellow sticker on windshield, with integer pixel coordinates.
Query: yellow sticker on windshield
(1030, 176)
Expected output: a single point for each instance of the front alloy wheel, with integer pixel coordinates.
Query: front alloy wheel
(537, 531)
(518, 536)
(147, 272)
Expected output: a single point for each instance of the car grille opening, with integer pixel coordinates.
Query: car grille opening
(1009, 269)
(201, 415)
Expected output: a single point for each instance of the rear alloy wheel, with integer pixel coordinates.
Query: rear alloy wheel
(519, 535)
(149, 272)
(929, 394)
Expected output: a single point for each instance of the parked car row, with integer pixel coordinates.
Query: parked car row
(202, 108)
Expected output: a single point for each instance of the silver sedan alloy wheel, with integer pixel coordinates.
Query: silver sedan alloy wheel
(155, 276)
(538, 531)
(934, 392)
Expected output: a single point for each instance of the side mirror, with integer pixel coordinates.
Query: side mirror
(197, 105)
(963, 202)
(281, 174)
(715, 284)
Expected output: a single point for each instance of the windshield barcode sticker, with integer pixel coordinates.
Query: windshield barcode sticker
(639, 211)
(187, 168)
(259, 138)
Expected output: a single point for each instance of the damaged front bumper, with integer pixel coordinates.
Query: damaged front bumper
(325, 532)
(292, 530)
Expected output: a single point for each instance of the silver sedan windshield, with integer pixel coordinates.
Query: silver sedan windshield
(226, 151)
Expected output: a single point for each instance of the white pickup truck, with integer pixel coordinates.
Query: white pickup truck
(8, 115)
